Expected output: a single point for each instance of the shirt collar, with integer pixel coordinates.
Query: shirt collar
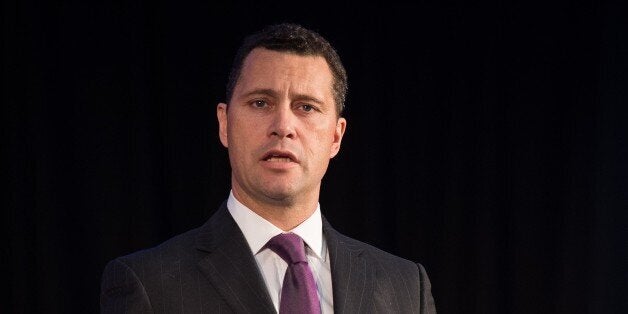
(258, 231)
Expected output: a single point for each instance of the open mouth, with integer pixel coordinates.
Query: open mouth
(278, 158)
(275, 156)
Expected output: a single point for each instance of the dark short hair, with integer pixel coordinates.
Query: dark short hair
(296, 39)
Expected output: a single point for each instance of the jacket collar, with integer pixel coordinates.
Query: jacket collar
(231, 268)
(351, 273)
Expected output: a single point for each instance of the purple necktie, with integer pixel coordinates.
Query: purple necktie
(298, 293)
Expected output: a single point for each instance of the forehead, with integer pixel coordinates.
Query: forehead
(285, 71)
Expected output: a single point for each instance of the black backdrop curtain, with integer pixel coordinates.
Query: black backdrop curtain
(485, 140)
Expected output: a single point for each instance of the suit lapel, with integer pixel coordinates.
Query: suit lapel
(230, 266)
(351, 273)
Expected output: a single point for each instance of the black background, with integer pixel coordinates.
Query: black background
(485, 140)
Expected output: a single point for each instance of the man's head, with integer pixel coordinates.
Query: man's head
(295, 39)
(281, 125)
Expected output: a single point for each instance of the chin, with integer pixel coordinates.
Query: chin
(280, 196)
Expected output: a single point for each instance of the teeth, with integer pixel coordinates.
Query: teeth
(282, 159)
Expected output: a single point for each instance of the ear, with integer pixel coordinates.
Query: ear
(341, 126)
(221, 113)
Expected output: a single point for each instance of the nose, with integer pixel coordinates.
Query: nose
(283, 123)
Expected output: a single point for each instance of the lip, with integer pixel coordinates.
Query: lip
(282, 153)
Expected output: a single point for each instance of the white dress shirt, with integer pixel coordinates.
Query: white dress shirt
(257, 231)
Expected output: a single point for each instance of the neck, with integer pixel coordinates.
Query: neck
(285, 214)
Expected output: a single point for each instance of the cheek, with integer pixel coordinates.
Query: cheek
(322, 142)
(237, 139)
(241, 129)
(246, 138)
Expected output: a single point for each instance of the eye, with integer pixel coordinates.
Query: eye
(258, 103)
(307, 107)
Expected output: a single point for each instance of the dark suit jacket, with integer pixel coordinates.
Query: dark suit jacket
(211, 270)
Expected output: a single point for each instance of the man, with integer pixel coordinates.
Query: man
(267, 249)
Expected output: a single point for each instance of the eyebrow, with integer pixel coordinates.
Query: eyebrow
(272, 93)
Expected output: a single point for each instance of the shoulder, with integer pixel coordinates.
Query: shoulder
(142, 281)
(382, 258)
(146, 266)
(176, 248)
(386, 266)
(337, 240)
(184, 246)
(395, 280)
(137, 275)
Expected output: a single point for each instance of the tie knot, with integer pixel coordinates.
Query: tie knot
(289, 247)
